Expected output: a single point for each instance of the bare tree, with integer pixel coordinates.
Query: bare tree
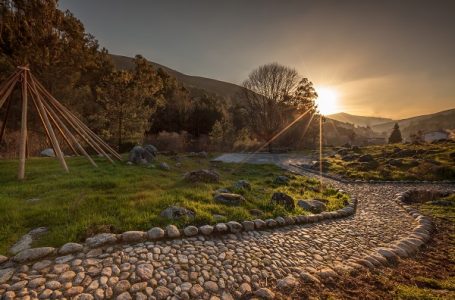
(273, 94)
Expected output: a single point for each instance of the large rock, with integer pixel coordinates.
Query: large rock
(49, 152)
(190, 230)
(33, 254)
(133, 236)
(283, 199)
(26, 240)
(229, 198)
(172, 231)
(177, 213)
(312, 205)
(101, 239)
(234, 226)
(155, 233)
(140, 156)
(6, 274)
(242, 185)
(151, 150)
(70, 248)
(145, 271)
(203, 175)
(206, 229)
(265, 293)
(164, 166)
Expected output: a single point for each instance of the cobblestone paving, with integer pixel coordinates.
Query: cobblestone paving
(223, 267)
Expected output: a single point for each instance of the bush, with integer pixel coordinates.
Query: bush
(170, 141)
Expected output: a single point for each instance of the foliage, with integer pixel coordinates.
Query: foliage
(395, 136)
(222, 135)
(119, 197)
(275, 96)
(128, 100)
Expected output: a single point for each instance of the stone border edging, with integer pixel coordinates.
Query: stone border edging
(405, 247)
(345, 180)
(171, 232)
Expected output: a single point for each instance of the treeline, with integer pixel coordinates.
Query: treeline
(143, 104)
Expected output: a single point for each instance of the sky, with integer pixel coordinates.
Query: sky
(380, 58)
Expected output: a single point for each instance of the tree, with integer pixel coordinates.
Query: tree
(395, 136)
(128, 100)
(274, 95)
(204, 112)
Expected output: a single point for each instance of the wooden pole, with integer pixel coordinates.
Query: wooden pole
(2, 131)
(54, 140)
(55, 117)
(7, 89)
(82, 129)
(23, 137)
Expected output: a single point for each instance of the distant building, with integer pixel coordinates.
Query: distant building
(435, 136)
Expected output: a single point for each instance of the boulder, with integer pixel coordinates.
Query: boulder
(248, 225)
(190, 230)
(26, 240)
(33, 254)
(316, 165)
(177, 213)
(221, 227)
(139, 155)
(101, 239)
(49, 152)
(206, 229)
(229, 198)
(3, 259)
(151, 150)
(164, 166)
(70, 248)
(281, 180)
(242, 185)
(234, 226)
(155, 233)
(203, 175)
(283, 199)
(133, 236)
(172, 231)
(6, 274)
(312, 205)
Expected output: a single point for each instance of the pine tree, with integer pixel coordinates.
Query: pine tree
(395, 136)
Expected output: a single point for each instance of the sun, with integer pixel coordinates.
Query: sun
(327, 100)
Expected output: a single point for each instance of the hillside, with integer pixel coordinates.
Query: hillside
(440, 120)
(194, 83)
(358, 120)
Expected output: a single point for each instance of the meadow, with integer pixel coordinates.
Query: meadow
(122, 197)
(425, 161)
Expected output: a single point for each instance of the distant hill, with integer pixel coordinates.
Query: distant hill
(440, 120)
(226, 90)
(358, 120)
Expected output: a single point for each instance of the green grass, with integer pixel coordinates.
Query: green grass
(120, 197)
(435, 161)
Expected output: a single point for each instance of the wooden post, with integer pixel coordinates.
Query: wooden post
(54, 141)
(23, 137)
(64, 110)
(6, 90)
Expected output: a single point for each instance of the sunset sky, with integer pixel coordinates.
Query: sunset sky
(383, 58)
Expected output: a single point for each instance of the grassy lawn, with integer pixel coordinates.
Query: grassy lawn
(434, 161)
(117, 198)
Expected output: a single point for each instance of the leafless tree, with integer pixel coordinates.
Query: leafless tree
(273, 94)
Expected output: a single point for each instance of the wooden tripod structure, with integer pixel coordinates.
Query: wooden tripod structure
(52, 115)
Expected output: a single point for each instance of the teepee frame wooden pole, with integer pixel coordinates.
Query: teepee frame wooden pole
(52, 115)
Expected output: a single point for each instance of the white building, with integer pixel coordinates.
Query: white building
(435, 136)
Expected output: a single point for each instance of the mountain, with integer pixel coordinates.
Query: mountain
(440, 120)
(195, 84)
(358, 120)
